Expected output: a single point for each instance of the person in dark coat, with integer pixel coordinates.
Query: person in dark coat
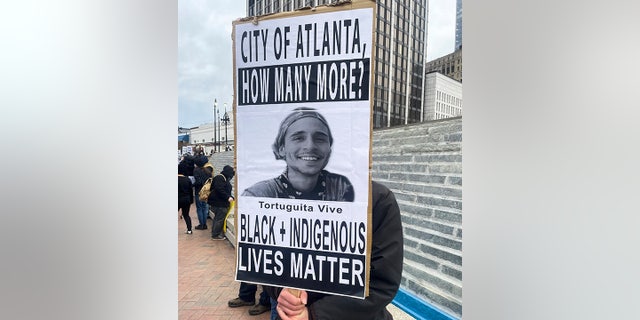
(201, 173)
(189, 165)
(220, 200)
(385, 273)
(185, 195)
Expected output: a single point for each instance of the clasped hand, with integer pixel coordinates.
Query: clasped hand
(292, 306)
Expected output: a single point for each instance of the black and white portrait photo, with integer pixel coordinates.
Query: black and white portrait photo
(304, 143)
(303, 153)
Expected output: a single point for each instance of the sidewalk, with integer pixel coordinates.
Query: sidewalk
(206, 276)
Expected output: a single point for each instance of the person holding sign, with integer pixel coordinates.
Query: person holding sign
(304, 142)
(185, 195)
(385, 274)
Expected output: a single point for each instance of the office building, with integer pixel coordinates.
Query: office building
(458, 44)
(443, 97)
(219, 136)
(449, 65)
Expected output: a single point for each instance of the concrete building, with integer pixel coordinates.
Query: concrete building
(443, 97)
(401, 33)
(204, 135)
(183, 137)
(449, 65)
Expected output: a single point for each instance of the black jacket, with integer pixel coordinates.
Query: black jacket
(386, 268)
(188, 164)
(185, 191)
(200, 160)
(220, 192)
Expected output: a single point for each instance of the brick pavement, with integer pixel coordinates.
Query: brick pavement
(206, 276)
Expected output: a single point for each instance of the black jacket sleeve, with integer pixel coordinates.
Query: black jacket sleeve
(219, 185)
(386, 266)
(191, 194)
(185, 191)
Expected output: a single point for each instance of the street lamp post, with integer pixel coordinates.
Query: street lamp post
(215, 139)
(219, 138)
(225, 119)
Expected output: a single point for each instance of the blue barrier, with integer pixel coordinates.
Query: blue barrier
(418, 308)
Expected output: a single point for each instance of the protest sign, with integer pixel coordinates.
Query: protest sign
(303, 133)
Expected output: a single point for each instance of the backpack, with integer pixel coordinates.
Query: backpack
(206, 190)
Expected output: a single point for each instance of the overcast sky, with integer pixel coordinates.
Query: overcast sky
(205, 64)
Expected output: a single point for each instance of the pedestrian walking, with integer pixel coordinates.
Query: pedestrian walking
(185, 195)
(201, 173)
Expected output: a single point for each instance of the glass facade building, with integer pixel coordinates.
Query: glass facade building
(399, 57)
(458, 44)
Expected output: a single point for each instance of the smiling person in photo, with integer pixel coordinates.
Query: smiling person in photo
(304, 142)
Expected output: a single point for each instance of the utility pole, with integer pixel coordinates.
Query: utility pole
(225, 119)
(215, 104)
(219, 137)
